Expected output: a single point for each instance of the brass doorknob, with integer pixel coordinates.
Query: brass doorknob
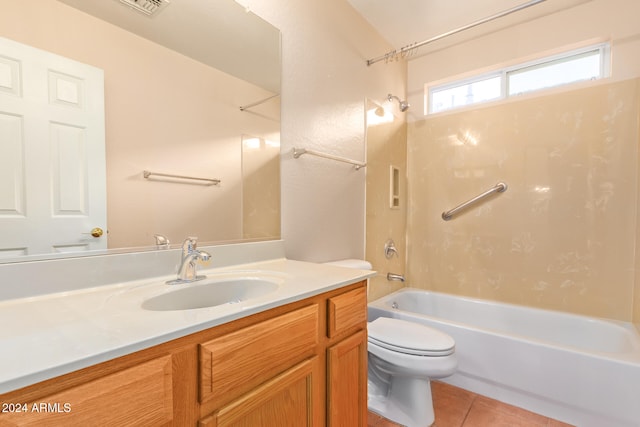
(96, 232)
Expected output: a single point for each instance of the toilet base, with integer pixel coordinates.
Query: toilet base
(408, 402)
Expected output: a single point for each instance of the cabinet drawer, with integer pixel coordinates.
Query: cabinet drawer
(237, 362)
(346, 311)
(141, 396)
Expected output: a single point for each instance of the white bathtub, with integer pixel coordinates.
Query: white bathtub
(577, 369)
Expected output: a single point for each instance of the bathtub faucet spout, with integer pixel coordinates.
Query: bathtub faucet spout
(395, 277)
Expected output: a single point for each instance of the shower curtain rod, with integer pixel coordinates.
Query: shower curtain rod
(404, 51)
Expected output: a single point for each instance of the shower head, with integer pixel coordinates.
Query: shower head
(404, 105)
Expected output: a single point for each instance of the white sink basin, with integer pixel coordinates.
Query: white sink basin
(210, 293)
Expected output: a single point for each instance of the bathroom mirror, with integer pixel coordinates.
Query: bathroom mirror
(191, 90)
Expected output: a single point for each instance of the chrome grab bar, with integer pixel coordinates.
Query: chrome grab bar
(500, 187)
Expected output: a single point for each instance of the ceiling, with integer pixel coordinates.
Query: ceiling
(230, 47)
(404, 22)
(219, 33)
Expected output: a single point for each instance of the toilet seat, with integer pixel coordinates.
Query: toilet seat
(409, 337)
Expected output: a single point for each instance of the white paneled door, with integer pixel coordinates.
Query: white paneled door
(52, 153)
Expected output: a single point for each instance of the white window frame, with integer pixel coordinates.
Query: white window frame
(603, 49)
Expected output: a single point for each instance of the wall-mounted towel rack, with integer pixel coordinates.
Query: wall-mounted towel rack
(262, 101)
(297, 152)
(500, 187)
(208, 181)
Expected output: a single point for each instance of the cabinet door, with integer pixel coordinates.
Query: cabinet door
(292, 399)
(347, 382)
(137, 396)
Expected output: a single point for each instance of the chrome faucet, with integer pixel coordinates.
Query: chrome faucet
(187, 269)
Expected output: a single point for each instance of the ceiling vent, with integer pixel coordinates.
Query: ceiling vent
(148, 7)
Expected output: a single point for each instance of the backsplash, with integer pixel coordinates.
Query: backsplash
(28, 279)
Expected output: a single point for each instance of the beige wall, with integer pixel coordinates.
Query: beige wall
(591, 22)
(600, 273)
(386, 147)
(165, 113)
(325, 45)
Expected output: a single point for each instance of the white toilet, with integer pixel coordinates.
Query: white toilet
(403, 357)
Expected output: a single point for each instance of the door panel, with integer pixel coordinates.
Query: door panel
(292, 399)
(52, 152)
(347, 382)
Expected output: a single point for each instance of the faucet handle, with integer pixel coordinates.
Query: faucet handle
(189, 245)
(390, 249)
(194, 241)
(161, 241)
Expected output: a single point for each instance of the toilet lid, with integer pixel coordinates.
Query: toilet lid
(409, 337)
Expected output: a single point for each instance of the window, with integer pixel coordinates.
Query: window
(465, 93)
(585, 64)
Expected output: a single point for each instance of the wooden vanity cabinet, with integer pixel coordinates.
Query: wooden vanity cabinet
(301, 364)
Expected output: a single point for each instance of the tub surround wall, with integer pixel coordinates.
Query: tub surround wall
(589, 22)
(260, 190)
(386, 146)
(636, 288)
(562, 236)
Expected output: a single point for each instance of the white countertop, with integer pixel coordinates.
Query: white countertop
(49, 335)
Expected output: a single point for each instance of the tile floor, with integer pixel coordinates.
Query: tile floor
(455, 407)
